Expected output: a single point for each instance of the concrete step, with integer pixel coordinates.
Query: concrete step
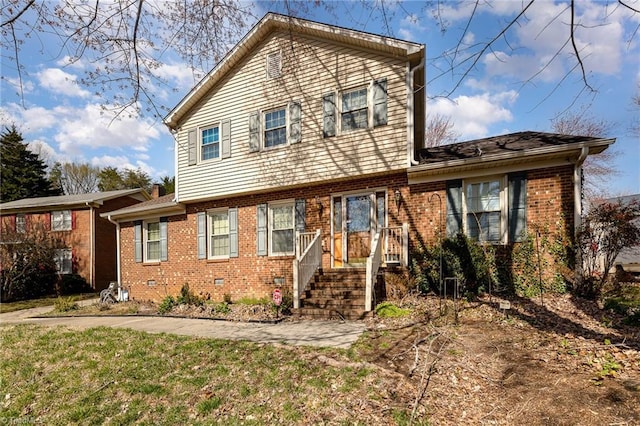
(335, 293)
(317, 313)
(328, 303)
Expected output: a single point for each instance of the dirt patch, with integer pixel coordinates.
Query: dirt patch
(557, 361)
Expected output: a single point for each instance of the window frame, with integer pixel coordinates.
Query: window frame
(21, 223)
(63, 257)
(210, 234)
(201, 144)
(280, 129)
(367, 108)
(145, 241)
(63, 223)
(503, 207)
(291, 204)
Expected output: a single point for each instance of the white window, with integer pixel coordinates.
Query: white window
(484, 210)
(282, 228)
(218, 234)
(64, 261)
(21, 224)
(210, 143)
(61, 220)
(275, 128)
(355, 112)
(152, 241)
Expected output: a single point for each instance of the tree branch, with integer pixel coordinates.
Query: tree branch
(10, 21)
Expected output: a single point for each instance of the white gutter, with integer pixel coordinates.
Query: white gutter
(117, 224)
(577, 188)
(411, 114)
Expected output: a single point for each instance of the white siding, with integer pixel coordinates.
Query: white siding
(310, 69)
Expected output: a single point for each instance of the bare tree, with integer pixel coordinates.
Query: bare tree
(125, 45)
(439, 131)
(75, 178)
(598, 169)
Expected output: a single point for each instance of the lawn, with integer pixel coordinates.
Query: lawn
(112, 376)
(37, 303)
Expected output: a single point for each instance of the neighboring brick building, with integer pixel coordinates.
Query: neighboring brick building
(302, 150)
(90, 240)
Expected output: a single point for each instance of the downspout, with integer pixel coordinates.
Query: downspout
(92, 244)
(577, 209)
(174, 133)
(117, 224)
(411, 161)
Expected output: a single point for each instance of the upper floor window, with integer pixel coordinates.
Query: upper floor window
(275, 127)
(61, 220)
(210, 147)
(354, 110)
(358, 108)
(21, 223)
(63, 259)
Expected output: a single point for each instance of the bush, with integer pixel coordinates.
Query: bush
(65, 304)
(166, 305)
(72, 284)
(389, 310)
(187, 297)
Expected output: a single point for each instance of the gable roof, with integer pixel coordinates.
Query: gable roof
(273, 22)
(59, 201)
(161, 206)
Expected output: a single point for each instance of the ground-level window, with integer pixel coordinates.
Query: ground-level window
(152, 241)
(64, 261)
(219, 234)
(282, 229)
(21, 224)
(491, 209)
(61, 220)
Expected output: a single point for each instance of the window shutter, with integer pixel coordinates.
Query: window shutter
(74, 264)
(262, 229)
(164, 252)
(73, 219)
(201, 219)
(254, 132)
(380, 102)
(295, 127)
(225, 129)
(233, 232)
(300, 215)
(517, 206)
(192, 147)
(12, 223)
(454, 207)
(47, 221)
(137, 241)
(329, 115)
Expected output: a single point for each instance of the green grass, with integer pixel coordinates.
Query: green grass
(116, 376)
(38, 303)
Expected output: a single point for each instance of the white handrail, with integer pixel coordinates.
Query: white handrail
(308, 260)
(396, 245)
(373, 264)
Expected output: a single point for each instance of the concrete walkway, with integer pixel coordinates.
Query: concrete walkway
(309, 333)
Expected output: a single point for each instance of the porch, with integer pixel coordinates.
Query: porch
(345, 291)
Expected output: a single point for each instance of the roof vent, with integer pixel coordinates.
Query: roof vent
(274, 65)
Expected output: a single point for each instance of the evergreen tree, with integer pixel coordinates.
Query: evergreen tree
(23, 172)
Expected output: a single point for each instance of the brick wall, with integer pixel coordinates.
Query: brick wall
(549, 198)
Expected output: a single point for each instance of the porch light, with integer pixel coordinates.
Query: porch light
(397, 196)
(319, 205)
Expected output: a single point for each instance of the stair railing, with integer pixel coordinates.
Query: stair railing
(373, 265)
(308, 260)
(395, 245)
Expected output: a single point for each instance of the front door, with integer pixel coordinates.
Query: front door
(355, 219)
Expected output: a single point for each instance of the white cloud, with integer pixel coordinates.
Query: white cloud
(473, 115)
(69, 62)
(180, 76)
(60, 82)
(24, 87)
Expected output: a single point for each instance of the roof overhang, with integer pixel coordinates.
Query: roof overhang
(533, 158)
(171, 208)
(272, 22)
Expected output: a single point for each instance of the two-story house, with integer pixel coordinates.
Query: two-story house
(301, 151)
(89, 240)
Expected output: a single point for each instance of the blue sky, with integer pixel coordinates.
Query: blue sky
(511, 88)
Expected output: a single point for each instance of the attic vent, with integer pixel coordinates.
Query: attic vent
(274, 65)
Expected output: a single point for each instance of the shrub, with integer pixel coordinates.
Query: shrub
(65, 304)
(166, 305)
(221, 308)
(187, 297)
(72, 284)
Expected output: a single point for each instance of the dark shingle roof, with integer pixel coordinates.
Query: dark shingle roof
(510, 143)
